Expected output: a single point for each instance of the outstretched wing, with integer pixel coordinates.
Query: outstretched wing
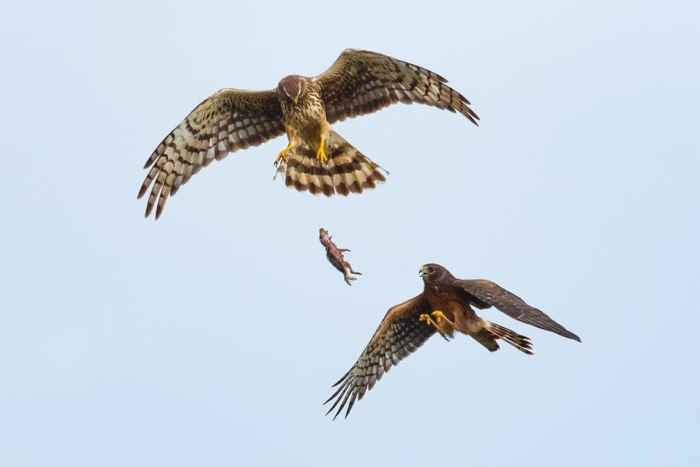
(360, 82)
(486, 294)
(398, 335)
(229, 120)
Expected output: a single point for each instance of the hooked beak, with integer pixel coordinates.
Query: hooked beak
(294, 98)
(422, 272)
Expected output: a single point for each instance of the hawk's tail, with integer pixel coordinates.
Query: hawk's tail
(518, 341)
(346, 171)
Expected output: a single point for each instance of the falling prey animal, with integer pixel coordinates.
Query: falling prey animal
(336, 257)
(444, 306)
(317, 159)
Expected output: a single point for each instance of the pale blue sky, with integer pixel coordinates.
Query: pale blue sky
(211, 336)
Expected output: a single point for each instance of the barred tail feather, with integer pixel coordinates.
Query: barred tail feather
(518, 341)
(346, 171)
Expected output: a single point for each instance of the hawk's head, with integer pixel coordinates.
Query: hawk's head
(291, 87)
(433, 273)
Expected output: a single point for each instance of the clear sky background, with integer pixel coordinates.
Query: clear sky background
(211, 337)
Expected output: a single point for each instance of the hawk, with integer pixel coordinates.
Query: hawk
(444, 306)
(317, 159)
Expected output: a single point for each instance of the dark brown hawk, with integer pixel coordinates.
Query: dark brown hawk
(444, 306)
(317, 158)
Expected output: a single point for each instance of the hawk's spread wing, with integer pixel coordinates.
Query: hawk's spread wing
(229, 120)
(360, 82)
(487, 293)
(399, 334)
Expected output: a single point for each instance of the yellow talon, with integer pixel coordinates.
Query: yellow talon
(282, 156)
(321, 153)
(439, 316)
(428, 320)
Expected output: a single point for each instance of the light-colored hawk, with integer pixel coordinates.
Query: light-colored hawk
(444, 306)
(317, 158)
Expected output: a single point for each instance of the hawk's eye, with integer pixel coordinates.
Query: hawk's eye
(430, 270)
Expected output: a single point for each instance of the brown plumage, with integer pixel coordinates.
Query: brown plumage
(317, 159)
(444, 306)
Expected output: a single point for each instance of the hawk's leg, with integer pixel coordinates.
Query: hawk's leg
(293, 141)
(282, 156)
(321, 152)
(439, 316)
(428, 320)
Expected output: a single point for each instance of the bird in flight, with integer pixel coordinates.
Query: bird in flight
(317, 159)
(444, 306)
